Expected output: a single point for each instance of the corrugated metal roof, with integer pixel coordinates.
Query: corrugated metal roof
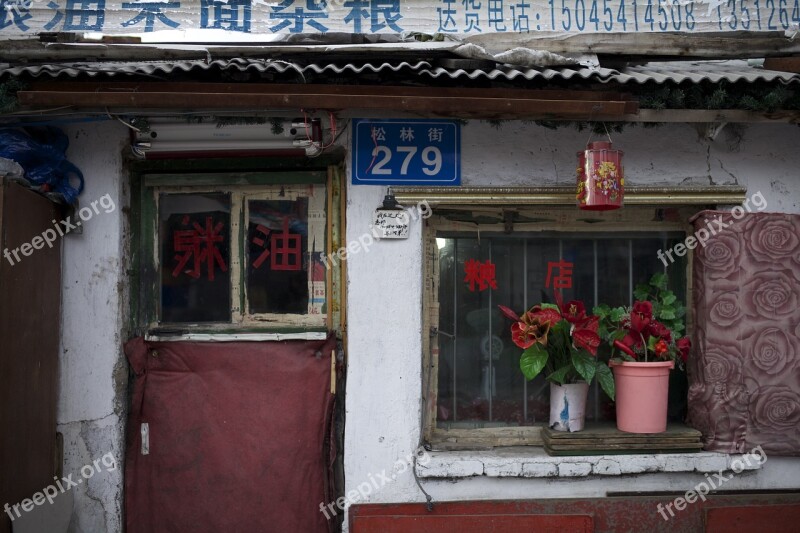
(732, 71)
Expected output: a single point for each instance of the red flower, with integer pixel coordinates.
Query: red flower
(684, 345)
(661, 348)
(657, 329)
(509, 313)
(641, 316)
(534, 327)
(545, 315)
(574, 311)
(586, 339)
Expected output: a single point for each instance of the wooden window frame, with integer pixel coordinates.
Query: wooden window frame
(642, 216)
(248, 185)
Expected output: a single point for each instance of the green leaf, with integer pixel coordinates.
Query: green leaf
(560, 375)
(641, 292)
(584, 364)
(601, 310)
(668, 298)
(606, 379)
(667, 313)
(561, 326)
(651, 343)
(678, 327)
(617, 313)
(550, 306)
(533, 360)
(659, 280)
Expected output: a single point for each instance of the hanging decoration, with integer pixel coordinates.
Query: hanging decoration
(601, 181)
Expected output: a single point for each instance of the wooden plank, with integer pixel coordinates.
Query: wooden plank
(351, 90)
(484, 438)
(30, 311)
(717, 45)
(621, 451)
(601, 430)
(783, 64)
(600, 442)
(430, 105)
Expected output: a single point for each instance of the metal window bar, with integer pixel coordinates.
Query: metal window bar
(596, 393)
(525, 308)
(455, 330)
(490, 369)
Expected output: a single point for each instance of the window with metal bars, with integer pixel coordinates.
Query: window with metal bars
(479, 381)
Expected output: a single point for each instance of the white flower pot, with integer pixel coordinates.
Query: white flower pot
(568, 406)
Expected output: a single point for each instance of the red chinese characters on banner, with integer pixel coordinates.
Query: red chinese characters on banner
(285, 249)
(200, 244)
(563, 277)
(480, 274)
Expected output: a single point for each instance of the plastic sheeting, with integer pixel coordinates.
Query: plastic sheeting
(234, 436)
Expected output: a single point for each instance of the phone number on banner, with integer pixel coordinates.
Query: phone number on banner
(671, 15)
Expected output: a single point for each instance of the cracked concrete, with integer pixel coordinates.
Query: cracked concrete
(93, 372)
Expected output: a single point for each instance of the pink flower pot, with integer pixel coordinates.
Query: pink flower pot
(642, 393)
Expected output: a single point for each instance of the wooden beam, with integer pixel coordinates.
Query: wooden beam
(727, 45)
(783, 64)
(525, 196)
(359, 90)
(480, 105)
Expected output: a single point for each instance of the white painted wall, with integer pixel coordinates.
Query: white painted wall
(384, 371)
(93, 372)
(384, 379)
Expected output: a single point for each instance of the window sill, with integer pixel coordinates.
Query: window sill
(533, 462)
(233, 337)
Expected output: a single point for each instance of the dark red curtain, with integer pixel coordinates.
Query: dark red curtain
(236, 436)
(745, 369)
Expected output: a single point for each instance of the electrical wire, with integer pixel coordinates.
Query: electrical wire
(115, 117)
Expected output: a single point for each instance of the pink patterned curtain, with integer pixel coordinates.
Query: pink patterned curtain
(744, 373)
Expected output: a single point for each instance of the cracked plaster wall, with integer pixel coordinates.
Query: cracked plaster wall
(757, 156)
(93, 372)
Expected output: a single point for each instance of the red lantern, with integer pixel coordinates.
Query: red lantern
(601, 181)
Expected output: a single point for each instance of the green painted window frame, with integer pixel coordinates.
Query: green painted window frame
(149, 176)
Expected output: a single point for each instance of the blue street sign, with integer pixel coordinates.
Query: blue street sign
(406, 152)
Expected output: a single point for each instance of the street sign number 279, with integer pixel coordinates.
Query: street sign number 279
(406, 152)
(431, 159)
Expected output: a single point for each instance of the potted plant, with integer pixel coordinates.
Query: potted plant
(646, 345)
(562, 341)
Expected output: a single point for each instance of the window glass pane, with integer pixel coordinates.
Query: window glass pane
(278, 248)
(194, 243)
(480, 383)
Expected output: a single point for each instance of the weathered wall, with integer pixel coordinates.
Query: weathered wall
(384, 371)
(92, 396)
(385, 286)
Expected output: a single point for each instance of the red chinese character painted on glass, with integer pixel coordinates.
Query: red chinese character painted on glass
(261, 242)
(482, 274)
(563, 279)
(286, 249)
(199, 244)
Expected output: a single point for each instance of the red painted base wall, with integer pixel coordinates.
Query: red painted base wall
(741, 513)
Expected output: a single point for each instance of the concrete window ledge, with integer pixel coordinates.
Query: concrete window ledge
(533, 462)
